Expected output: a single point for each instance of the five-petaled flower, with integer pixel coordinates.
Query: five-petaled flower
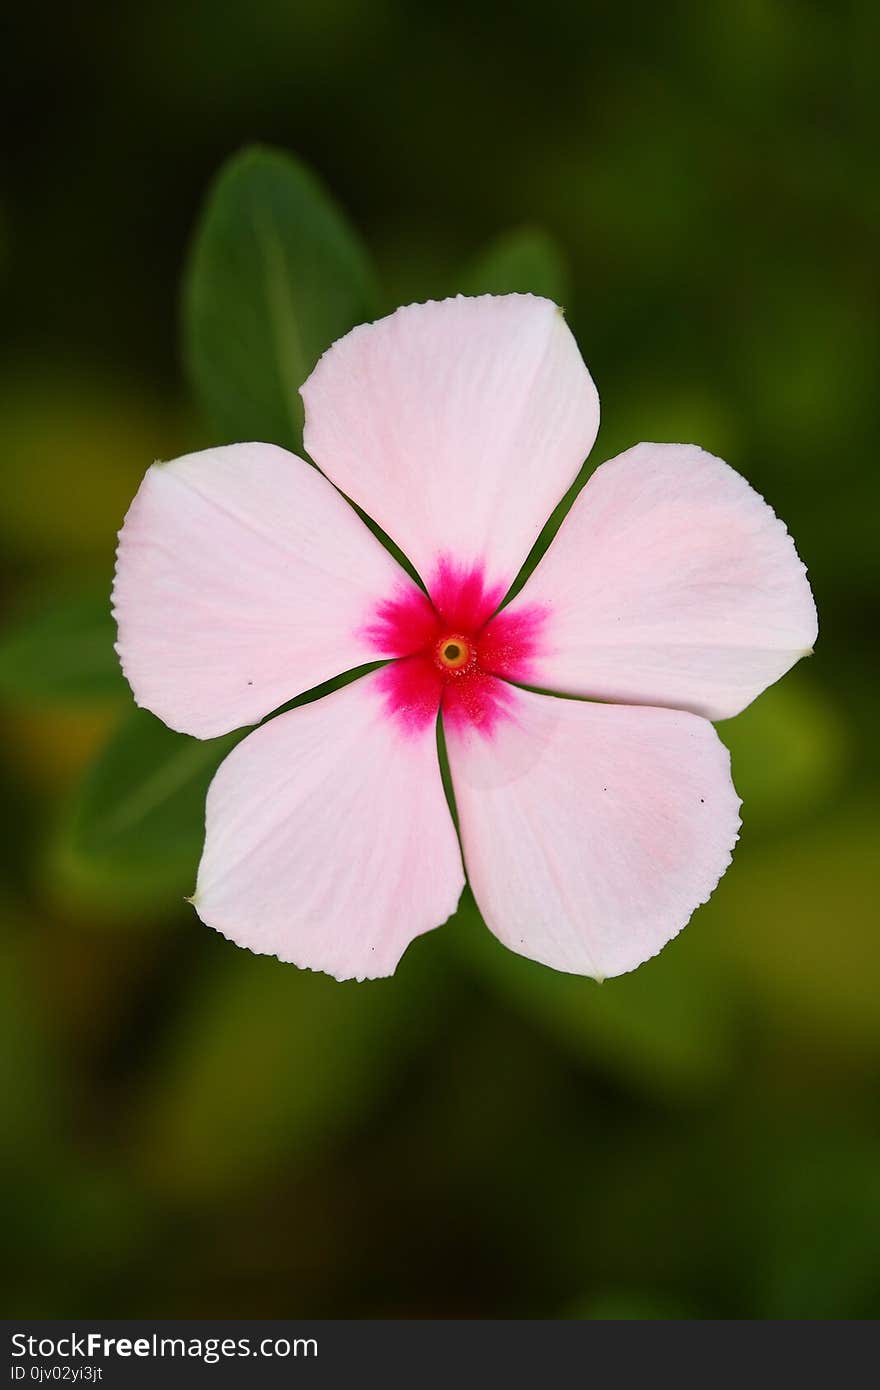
(591, 827)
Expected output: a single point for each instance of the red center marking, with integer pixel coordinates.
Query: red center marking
(454, 650)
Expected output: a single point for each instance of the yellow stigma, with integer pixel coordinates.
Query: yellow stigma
(453, 652)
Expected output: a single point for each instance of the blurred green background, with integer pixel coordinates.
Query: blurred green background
(190, 1130)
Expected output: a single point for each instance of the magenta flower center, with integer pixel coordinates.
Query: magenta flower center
(455, 651)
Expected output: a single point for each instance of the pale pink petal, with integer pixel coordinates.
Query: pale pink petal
(591, 832)
(329, 841)
(243, 579)
(671, 582)
(456, 425)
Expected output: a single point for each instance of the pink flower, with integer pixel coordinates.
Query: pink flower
(590, 828)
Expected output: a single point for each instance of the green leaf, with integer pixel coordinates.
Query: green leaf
(60, 650)
(138, 821)
(135, 829)
(276, 276)
(524, 261)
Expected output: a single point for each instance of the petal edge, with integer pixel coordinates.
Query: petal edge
(671, 582)
(456, 424)
(242, 580)
(591, 833)
(329, 843)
